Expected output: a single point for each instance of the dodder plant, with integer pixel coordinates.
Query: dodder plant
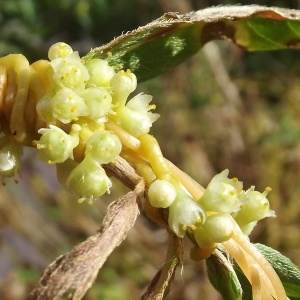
(81, 117)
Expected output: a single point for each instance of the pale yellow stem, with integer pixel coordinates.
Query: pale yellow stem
(195, 189)
(142, 167)
(252, 271)
(126, 139)
(3, 84)
(239, 238)
(151, 150)
(18, 66)
(259, 290)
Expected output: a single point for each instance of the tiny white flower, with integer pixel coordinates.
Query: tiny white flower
(89, 180)
(70, 72)
(222, 194)
(55, 145)
(255, 207)
(136, 116)
(185, 213)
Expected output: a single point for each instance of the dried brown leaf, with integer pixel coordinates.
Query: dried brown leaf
(73, 273)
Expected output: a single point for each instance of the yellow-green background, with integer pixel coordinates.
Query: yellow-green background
(223, 108)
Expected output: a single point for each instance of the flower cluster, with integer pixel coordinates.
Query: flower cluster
(209, 218)
(82, 97)
(84, 120)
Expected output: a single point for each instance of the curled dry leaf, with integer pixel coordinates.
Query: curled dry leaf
(73, 273)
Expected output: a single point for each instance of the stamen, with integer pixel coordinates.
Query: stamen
(266, 191)
(80, 200)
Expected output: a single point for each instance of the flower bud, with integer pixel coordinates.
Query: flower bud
(98, 102)
(68, 105)
(161, 193)
(100, 72)
(59, 50)
(123, 83)
(88, 180)
(70, 72)
(103, 147)
(217, 228)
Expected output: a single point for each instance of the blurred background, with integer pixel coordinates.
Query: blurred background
(223, 108)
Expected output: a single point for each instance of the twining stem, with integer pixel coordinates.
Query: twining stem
(150, 154)
(269, 274)
(251, 270)
(188, 182)
(151, 150)
(127, 139)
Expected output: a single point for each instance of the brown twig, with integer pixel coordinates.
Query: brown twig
(160, 284)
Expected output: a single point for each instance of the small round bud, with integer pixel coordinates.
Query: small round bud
(123, 83)
(88, 179)
(161, 193)
(100, 72)
(219, 227)
(103, 147)
(70, 72)
(98, 101)
(68, 105)
(59, 50)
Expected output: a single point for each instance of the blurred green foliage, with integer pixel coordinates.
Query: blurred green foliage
(254, 132)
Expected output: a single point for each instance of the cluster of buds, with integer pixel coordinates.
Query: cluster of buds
(85, 111)
(209, 219)
(82, 98)
(86, 121)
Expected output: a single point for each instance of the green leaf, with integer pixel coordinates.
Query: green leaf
(166, 42)
(288, 273)
(223, 277)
